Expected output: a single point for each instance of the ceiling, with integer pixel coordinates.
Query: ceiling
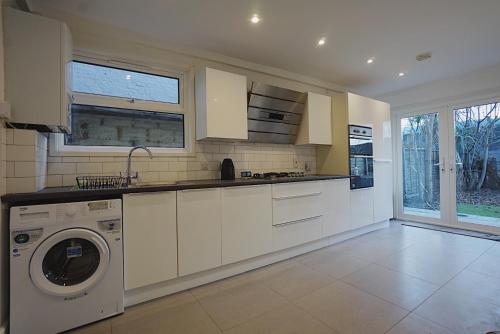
(461, 34)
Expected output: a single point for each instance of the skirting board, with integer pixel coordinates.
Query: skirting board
(144, 294)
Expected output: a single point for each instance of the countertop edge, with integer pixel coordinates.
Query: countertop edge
(69, 194)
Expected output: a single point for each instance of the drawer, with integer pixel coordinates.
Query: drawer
(296, 208)
(296, 233)
(296, 189)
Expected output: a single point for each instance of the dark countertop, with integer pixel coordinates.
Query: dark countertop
(72, 194)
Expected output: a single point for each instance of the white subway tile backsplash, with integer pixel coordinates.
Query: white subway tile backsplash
(61, 168)
(21, 153)
(21, 184)
(25, 169)
(89, 168)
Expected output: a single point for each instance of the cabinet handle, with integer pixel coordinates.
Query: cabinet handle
(298, 221)
(299, 195)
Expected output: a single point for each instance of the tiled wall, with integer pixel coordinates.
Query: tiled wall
(26, 161)
(29, 166)
(205, 165)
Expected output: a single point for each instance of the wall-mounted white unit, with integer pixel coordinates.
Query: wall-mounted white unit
(38, 53)
(221, 105)
(316, 125)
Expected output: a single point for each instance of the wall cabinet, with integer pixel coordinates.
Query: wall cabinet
(246, 222)
(336, 202)
(199, 229)
(149, 238)
(361, 207)
(316, 124)
(38, 53)
(221, 105)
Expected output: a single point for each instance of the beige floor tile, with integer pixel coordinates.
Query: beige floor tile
(235, 306)
(335, 264)
(352, 311)
(479, 285)
(187, 318)
(413, 324)
(284, 320)
(461, 313)
(258, 275)
(376, 249)
(298, 281)
(396, 287)
(102, 327)
(488, 263)
(431, 267)
(155, 306)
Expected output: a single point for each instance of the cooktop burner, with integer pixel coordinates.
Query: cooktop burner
(273, 175)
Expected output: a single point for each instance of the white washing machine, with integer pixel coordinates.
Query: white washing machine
(66, 265)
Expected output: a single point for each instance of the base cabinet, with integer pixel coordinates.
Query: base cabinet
(199, 229)
(336, 203)
(246, 222)
(149, 238)
(361, 207)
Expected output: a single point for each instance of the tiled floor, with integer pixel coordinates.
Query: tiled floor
(400, 280)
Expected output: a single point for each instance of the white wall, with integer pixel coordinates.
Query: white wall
(483, 83)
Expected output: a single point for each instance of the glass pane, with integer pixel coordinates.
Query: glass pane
(477, 142)
(110, 81)
(71, 262)
(420, 145)
(104, 126)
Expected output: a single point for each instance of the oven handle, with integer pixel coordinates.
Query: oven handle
(360, 156)
(361, 137)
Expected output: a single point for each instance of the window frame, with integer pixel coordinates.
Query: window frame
(185, 107)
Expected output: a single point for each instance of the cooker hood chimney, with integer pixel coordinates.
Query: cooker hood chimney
(274, 114)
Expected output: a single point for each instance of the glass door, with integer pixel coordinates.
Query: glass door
(476, 150)
(449, 166)
(420, 159)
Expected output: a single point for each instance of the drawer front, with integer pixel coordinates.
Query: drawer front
(295, 208)
(296, 233)
(296, 189)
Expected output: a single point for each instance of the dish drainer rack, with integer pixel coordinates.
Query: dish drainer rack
(100, 182)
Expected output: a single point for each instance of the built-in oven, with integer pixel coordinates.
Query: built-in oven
(361, 156)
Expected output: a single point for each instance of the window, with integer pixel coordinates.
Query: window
(117, 108)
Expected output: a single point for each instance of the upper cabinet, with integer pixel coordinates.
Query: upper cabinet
(316, 125)
(349, 108)
(38, 53)
(221, 105)
(377, 115)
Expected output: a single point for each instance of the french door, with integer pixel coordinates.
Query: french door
(448, 166)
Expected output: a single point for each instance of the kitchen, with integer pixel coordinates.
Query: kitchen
(154, 188)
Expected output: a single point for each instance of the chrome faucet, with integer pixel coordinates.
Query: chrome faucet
(128, 174)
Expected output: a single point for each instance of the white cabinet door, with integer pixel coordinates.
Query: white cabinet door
(383, 199)
(336, 201)
(199, 229)
(221, 105)
(36, 52)
(149, 238)
(361, 207)
(246, 222)
(316, 124)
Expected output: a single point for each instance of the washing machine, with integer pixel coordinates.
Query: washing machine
(66, 265)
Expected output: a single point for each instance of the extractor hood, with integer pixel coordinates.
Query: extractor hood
(274, 114)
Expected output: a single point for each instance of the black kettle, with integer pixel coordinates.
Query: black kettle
(227, 170)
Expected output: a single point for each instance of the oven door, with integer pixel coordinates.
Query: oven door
(359, 145)
(361, 171)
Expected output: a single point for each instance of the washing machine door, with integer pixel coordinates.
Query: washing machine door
(69, 262)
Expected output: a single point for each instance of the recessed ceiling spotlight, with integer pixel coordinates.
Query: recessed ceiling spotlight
(370, 60)
(255, 18)
(401, 74)
(322, 41)
(128, 77)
